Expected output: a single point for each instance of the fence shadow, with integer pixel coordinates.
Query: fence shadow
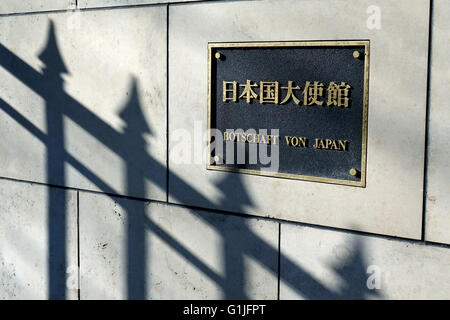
(140, 166)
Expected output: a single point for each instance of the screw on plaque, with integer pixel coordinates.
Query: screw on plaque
(357, 54)
(219, 56)
(217, 159)
(354, 172)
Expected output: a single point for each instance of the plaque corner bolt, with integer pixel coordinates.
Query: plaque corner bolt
(357, 54)
(353, 172)
(216, 159)
(219, 56)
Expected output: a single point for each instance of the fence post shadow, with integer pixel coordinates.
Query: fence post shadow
(52, 94)
(135, 128)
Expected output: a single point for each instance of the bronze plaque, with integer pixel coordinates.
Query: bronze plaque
(305, 101)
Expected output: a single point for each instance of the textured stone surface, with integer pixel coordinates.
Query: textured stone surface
(173, 253)
(322, 264)
(14, 6)
(106, 114)
(114, 3)
(438, 186)
(392, 201)
(25, 260)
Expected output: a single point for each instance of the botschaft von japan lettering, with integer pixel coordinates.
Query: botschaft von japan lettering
(292, 141)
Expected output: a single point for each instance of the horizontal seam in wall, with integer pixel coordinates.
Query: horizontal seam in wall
(244, 215)
(14, 14)
(56, 11)
(125, 6)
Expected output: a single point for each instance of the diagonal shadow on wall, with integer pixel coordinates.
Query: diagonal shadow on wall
(130, 146)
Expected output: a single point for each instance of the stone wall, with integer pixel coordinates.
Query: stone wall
(99, 102)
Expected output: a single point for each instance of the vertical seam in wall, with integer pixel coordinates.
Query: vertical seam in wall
(427, 118)
(78, 243)
(279, 260)
(167, 102)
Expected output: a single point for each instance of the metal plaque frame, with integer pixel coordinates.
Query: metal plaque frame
(214, 46)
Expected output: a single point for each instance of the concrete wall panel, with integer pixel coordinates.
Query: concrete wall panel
(95, 82)
(38, 242)
(133, 249)
(15, 6)
(438, 187)
(323, 264)
(391, 203)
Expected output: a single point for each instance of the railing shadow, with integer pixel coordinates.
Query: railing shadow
(140, 166)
